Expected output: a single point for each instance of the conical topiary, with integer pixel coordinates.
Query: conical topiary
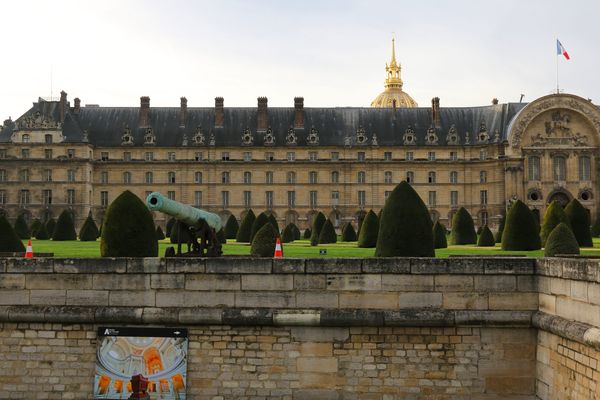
(89, 230)
(258, 223)
(160, 235)
(21, 228)
(65, 228)
(273, 222)
(288, 235)
(263, 244)
(579, 219)
(243, 234)
(439, 236)
(180, 233)
(169, 226)
(405, 229)
(596, 226)
(486, 239)
(520, 230)
(327, 234)
(479, 230)
(307, 233)
(231, 227)
(221, 236)
(348, 233)
(536, 217)
(561, 241)
(297, 234)
(35, 226)
(9, 241)
(500, 229)
(369, 231)
(128, 229)
(463, 229)
(317, 225)
(50, 225)
(554, 215)
(42, 233)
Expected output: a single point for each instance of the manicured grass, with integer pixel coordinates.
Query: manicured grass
(299, 248)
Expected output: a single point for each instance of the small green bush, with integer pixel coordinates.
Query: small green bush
(89, 230)
(50, 225)
(243, 234)
(65, 228)
(486, 239)
(369, 231)
(479, 230)
(561, 241)
(439, 236)
(9, 241)
(579, 219)
(160, 235)
(128, 229)
(317, 225)
(405, 229)
(35, 226)
(348, 233)
(327, 234)
(501, 229)
(231, 227)
(554, 215)
(307, 233)
(169, 226)
(263, 244)
(42, 233)
(258, 223)
(180, 233)
(463, 229)
(273, 222)
(520, 231)
(297, 234)
(21, 228)
(288, 235)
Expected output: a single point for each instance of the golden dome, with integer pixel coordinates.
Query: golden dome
(393, 87)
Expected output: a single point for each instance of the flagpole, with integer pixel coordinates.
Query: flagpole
(557, 88)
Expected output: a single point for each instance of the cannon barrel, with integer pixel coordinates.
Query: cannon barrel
(187, 214)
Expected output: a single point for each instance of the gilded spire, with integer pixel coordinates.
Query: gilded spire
(393, 70)
(393, 60)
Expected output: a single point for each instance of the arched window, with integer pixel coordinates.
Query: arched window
(126, 177)
(171, 177)
(247, 177)
(431, 177)
(291, 177)
(335, 177)
(482, 177)
(149, 177)
(453, 177)
(387, 176)
(410, 177)
(225, 177)
(361, 177)
(534, 168)
(585, 168)
(560, 168)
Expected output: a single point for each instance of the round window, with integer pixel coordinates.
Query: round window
(586, 195)
(534, 196)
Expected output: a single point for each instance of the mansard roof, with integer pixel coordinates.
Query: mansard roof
(338, 126)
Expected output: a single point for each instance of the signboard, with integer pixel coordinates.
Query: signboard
(159, 354)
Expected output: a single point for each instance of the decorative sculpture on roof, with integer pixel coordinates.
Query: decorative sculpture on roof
(184, 141)
(482, 136)
(127, 137)
(348, 141)
(431, 138)
(409, 138)
(291, 139)
(452, 137)
(211, 140)
(85, 136)
(559, 125)
(149, 137)
(247, 137)
(496, 136)
(198, 138)
(37, 121)
(374, 140)
(313, 137)
(467, 137)
(361, 137)
(269, 138)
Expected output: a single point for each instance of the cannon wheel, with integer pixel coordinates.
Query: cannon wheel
(170, 251)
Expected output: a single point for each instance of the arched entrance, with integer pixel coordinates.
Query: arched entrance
(561, 196)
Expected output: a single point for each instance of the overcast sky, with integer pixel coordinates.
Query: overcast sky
(333, 53)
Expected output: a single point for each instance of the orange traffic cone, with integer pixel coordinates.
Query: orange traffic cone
(29, 251)
(278, 251)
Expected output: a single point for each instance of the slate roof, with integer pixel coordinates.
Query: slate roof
(105, 125)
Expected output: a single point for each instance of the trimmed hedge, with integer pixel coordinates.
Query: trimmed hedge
(463, 229)
(89, 230)
(501, 229)
(561, 241)
(327, 234)
(520, 231)
(273, 222)
(405, 229)
(486, 239)
(128, 229)
(307, 233)
(65, 228)
(439, 236)
(596, 226)
(263, 244)
(21, 228)
(348, 233)
(243, 234)
(221, 236)
(35, 226)
(160, 235)
(50, 225)
(369, 231)
(289, 234)
(554, 215)
(169, 226)
(258, 223)
(42, 233)
(579, 218)
(317, 225)
(231, 227)
(9, 241)
(297, 234)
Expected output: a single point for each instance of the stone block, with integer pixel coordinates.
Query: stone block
(121, 281)
(386, 265)
(212, 282)
(151, 315)
(511, 385)
(493, 318)
(561, 287)
(132, 298)
(12, 281)
(102, 265)
(28, 314)
(467, 265)
(118, 315)
(30, 265)
(239, 265)
(428, 265)
(355, 282)
(333, 265)
(167, 281)
(14, 297)
(317, 364)
(511, 266)
(181, 265)
(319, 334)
(198, 316)
(268, 282)
(247, 317)
(579, 290)
(409, 283)
(69, 314)
(548, 267)
(513, 301)
(265, 300)
(170, 298)
(506, 368)
(526, 283)
(339, 317)
(147, 265)
(312, 394)
(208, 299)
(310, 282)
(297, 317)
(419, 317)
(575, 268)
(368, 300)
(316, 349)
(87, 297)
(315, 299)
(453, 283)
(47, 297)
(59, 281)
(288, 265)
(465, 301)
(594, 293)
(420, 300)
(495, 283)
(547, 303)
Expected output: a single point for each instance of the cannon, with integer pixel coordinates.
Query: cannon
(203, 226)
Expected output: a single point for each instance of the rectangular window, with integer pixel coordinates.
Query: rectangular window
(171, 195)
(291, 198)
(387, 177)
(269, 177)
(362, 198)
(534, 168)
(225, 177)
(24, 153)
(2, 153)
(48, 154)
(335, 156)
(198, 177)
(70, 196)
(198, 156)
(313, 199)
(104, 177)
(127, 156)
(48, 139)
(361, 156)
(361, 177)
(335, 198)
(104, 156)
(387, 156)
(47, 197)
(149, 156)
(2, 175)
(47, 175)
(410, 177)
(225, 156)
(269, 156)
(483, 154)
(126, 177)
(453, 177)
(386, 194)
(171, 156)
(24, 197)
(483, 197)
(247, 156)
(312, 156)
(198, 198)
(104, 199)
(171, 177)
(149, 177)
(247, 177)
(410, 156)
(482, 177)
(453, 156)
(312, 177)
(291, 156)
(431, 156)
(225, 199)
(432, 198)
(247, 199)
(585, 168)
(454, 198)
(269, 199)
(3, 197)
(431, 177)
(24, 175)
(70, 153)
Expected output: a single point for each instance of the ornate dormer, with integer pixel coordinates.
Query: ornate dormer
(198, 138)
(37, 121)
(247, 137)
(149, 137)
(482, 136)
(313, 137)
(127, 137)
(409, 138)
(452, 137)
(269, 138)
(291, 139)
(361, 136)
(431, 138)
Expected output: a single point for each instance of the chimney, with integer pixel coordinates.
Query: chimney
(63, 105)
(299, 112)
(494, 101)
(219, 112)
(144, 120)
(77, 105)
(263, 119)
(182, 112)
(435, 112)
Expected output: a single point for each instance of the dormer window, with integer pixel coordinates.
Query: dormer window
(25, 138)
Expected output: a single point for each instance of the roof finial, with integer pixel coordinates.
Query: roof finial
(393, 61)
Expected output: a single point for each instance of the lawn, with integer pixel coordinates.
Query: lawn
(300, 248)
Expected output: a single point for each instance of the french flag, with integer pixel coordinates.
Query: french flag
(561, 50)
